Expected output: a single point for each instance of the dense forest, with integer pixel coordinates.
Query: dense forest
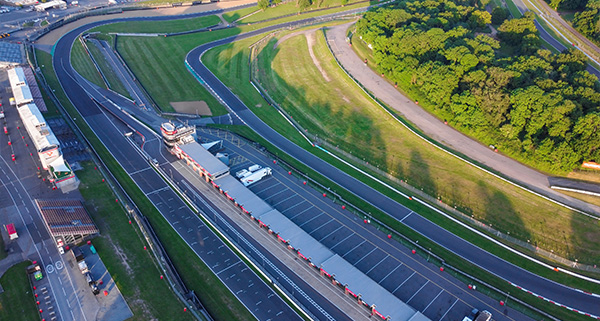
(500, 87)
(587, 22)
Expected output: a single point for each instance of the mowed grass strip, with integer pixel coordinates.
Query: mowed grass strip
(17, 302)
(82, 63)
(290, 7)
(215, 58)
(342, 114)
(158, 62)
(121, 249)
(113, 80)
(166, 80)
(218, 300)
(167, 26)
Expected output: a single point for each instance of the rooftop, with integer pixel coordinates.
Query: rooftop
(66, 217)
(200, 155)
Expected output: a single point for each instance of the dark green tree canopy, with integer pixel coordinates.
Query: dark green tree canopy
(540, 107)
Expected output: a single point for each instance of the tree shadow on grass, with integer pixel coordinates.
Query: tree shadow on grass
(342, 125)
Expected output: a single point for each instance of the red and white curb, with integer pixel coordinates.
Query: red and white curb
(556, 303)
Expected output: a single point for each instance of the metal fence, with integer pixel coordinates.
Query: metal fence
(162, 260)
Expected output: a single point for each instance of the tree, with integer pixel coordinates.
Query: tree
(480, 18)
(586, 22)
(587, 130)
(303, 4)
(515, 31)
(263, 4)
(499, 14)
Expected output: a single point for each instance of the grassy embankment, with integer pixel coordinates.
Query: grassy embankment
(120, 245)
(114, 83)
(168, 80)
(218, 300)
(231, 61)
(181, 42)
(251, 90)
(82, 63)
(17, 302)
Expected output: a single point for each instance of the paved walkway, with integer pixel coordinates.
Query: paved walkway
(435, 128)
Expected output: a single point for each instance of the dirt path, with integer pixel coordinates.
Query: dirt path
(310, 39)
(436, 129)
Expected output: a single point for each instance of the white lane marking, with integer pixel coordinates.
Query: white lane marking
(450, 308)
(419, 290)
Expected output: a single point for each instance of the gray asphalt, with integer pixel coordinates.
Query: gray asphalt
(523, 278)
(251, 291)
(435, 128)
(471, 253)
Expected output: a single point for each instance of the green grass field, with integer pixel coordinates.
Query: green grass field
(239, 53)
(288, 8)
(169, 80)
(568, 16)
(218, 58)
(113, 80)
(82, 63)
(219, 301)
(338, 111)
(162, 27)
(232, 16)
(17, 302)
(121, 249)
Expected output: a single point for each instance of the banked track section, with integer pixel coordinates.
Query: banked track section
(554, 292)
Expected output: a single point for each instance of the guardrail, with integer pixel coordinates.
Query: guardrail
(368, 217)
(161, 260)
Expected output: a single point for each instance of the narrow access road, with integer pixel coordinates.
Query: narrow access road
(436, 129)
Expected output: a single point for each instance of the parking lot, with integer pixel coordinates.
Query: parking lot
(407, 276)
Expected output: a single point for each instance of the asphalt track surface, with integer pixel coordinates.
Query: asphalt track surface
(258, 297)
(477, 256)
(549, 39)
(495, 265)
(408, 277)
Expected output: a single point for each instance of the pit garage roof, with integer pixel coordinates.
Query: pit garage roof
(297, 237)
(243, 196)
(66, 217)
(41, 134)
(204, 158)
(372, 293)
(10, 54)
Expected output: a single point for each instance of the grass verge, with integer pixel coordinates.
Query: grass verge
(339, 111)
(17, 302)
(227, 57)
(290, 7)
(113, 80)
(168, 80)
(168, 26)
(217, 299)
(82, 63)
(120, 246)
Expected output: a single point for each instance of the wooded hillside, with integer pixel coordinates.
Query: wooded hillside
(539, 107)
